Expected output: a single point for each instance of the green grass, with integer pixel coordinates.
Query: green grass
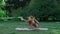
(9, 28)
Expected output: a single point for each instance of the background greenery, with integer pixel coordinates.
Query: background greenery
(43, 10)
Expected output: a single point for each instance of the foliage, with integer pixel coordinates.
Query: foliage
(41, 9)
(2, 13)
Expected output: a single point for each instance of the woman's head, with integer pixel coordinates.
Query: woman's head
(31, 17)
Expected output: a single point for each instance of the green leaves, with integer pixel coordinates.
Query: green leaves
(2, 13)
(2, 3)
(38, 8)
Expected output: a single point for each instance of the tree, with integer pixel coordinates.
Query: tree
(2, 12)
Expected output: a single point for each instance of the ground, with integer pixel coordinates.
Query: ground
(9, 28)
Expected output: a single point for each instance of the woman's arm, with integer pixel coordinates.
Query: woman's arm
(36, 21)
(23, 19)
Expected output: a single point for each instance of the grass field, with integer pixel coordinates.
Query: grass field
(9, 28)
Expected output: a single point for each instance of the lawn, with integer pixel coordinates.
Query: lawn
(9, 28)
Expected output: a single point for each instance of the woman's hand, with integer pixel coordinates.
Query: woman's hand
(21, 18)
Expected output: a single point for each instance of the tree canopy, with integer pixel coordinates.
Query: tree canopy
(41, 9)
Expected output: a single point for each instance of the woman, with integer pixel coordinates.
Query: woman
(32, 21)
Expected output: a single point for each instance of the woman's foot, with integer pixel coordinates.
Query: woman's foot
(36, 28)
(30, 28)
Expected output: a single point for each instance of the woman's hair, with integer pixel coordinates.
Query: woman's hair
(32, 17)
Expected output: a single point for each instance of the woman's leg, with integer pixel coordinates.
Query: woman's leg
(30, 25)
(36, 25)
